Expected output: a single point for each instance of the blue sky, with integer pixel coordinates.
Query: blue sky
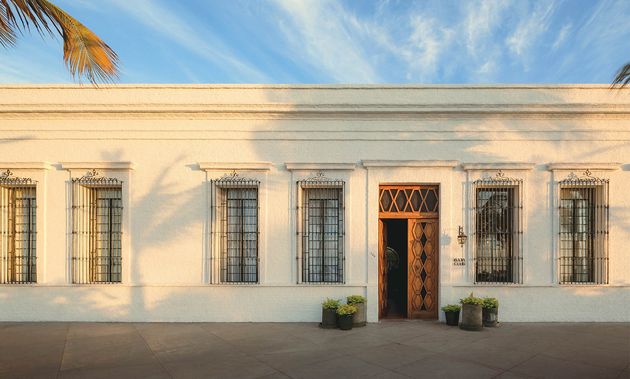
(322, 41)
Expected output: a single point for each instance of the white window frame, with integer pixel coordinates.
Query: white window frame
(331, 172)
(118, 171)
(510, 174)
(36, 172)
(246, 171)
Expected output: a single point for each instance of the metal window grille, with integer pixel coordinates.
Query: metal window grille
(96, 229)
(322, 230)
(498, 220)
(237, 200)
(18, 210)
(583, 232)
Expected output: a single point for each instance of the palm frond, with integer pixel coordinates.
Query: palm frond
(622, 78)
(84, 53)
(7, 34)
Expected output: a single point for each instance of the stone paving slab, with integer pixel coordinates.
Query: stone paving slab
(389, 349)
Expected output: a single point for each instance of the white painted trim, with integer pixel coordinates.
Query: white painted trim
(97, 165)
(26, 165)
(396, 163)
(498, 166)
(320, 166)
(583, 166)
(223, 166)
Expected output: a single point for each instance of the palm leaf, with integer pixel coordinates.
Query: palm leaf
(84, 53)
(623, 77)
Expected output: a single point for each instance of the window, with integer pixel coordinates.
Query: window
(237, 200)
(18, 229)
(497, 216)
(96, 229)
(322, 233)
(583, 231)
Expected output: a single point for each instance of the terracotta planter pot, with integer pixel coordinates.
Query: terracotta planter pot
(345, 322)
(471, 317)
(359, 318)
(329, 319)
(490, 317)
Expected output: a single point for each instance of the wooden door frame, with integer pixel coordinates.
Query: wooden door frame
(382, 217)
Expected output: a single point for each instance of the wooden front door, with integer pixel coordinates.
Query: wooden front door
(419, 205)
(422, 263)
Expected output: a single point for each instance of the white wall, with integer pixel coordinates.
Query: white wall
(371, 134)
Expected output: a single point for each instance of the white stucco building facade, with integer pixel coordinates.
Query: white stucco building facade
(266, 175)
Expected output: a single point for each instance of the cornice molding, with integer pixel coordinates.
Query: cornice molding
(406, 163)
(523, 166)
(583, 166)
(97, 165)
(315, 109)
(25, 165)
(320, 166)
(229, 166)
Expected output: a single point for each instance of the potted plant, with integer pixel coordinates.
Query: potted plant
(471, 313)
(329, 313)
(360, 317)
(490, 312)
(451, 312)
(345, 314)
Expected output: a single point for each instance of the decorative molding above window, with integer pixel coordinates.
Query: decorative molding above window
(583, 166)
(229, 166)
(498, 179)
(97, 165)
(586, 178)
(407, 163)
(320, 166)
(526, 166)
(8, 180)
(26, 165)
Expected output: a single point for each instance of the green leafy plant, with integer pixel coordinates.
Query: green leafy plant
(471, 299)
(331, 303)
(451, 308)
(355, 299)
(346, 309)
(490, 302)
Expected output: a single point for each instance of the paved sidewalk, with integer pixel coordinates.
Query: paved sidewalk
(392, 349)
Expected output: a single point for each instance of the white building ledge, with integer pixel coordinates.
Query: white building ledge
(397, 163)
(525, 166)
(247, 166)
(25, 165)
(583, 166)
(320, 166)
(97, 165)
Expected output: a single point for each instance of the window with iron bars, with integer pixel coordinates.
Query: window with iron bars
(583, 231)
(18, 210)
(237, 202)
(322, 231)
(96, 229)
(497, 216)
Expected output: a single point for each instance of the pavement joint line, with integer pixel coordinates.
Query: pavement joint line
(135, 327)
(63, 351)
(246, 353)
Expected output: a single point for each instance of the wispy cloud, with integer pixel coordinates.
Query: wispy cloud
(530, 29)
(194, 38)
(562, 36)
(317, 32)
